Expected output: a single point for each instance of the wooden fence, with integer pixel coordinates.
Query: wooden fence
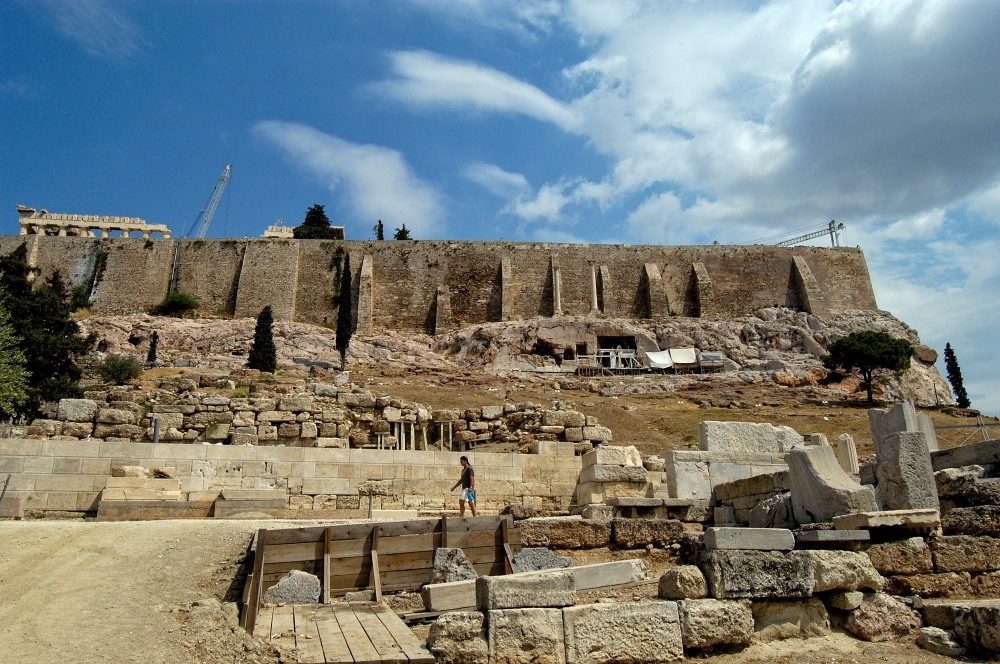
(388, 556)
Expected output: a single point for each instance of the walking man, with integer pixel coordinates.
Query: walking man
(468, 482)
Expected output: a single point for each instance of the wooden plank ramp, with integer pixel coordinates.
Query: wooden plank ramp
(342, 633)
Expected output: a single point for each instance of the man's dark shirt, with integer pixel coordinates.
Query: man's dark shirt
(467, 475)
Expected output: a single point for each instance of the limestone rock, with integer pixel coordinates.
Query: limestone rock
(948, 584)
(609, 473)
(634, 632)
(746, 437)
(639, 533)
(775, 512)
(533, 559)
(367, 595)
(940, 641)
(115, 416)
(600, 434)
(711, 622)
(77, 410)
(296, 587)
(562, 533)
(459, 637)
(881, 617)
(982, 492)
(654, 463)
(563, 418)
(757, 574)
(904, 473)
(519, 512)
(911, 556)
(965, 553)
(981, 520)
(613, 455)
(845, 600)
(821, 489)
(552, 588)
(953, 482)
(683, 582)
(526, 636)
(843, 570)
(789, 619)
(452, 565)
(979, 626)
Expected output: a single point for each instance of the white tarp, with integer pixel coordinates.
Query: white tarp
(660, 359)
(684, 355)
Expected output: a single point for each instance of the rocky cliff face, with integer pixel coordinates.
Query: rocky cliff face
(775, 344)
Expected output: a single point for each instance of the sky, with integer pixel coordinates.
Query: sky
(621, 121)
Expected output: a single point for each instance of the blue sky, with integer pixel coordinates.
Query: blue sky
(601, 121)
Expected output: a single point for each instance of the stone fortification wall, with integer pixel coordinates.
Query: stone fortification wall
(63, 475)
(210, 271)
(132, 274)
(481, 281)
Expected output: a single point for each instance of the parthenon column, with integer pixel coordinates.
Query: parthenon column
(556, 288)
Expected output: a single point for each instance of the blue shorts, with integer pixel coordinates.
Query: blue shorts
(468, 495)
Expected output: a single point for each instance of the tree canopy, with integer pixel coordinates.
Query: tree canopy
(379, 230)
(50, 339)
(263, 355)
(316, 226)
(402, 233)
(345, 315)
(870, 354)
(13, 377)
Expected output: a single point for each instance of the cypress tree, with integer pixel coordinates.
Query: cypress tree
(345, 318)
(379, 230)
(263, 355)
(955, 377)
(154, 341)
(316, 226)
(50, 339)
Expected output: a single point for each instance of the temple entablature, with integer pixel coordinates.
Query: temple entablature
(43, 222)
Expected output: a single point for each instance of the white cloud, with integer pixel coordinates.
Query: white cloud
(431, 81)
(96, 27)
(376, 181)
(496, 180)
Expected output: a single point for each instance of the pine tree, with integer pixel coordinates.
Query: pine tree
(13, 377)
(402, 233)
(379, 230)
(872, 354)
(316, 226)
(154, 341)
(50, 339)
(345, 317)
(955, 377)
(263, 355)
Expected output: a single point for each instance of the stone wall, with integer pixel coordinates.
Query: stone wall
(298, 277)
(69, 475)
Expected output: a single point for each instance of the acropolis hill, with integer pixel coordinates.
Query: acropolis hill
(437, 285)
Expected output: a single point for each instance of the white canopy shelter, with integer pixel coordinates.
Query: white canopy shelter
(660, 359)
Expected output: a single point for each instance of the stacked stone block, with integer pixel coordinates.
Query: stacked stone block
(744, 495)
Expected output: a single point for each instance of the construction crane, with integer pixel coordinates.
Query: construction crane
(204, 217)
(833, 228)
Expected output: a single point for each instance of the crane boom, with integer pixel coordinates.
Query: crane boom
(207, 212)
(833, 229)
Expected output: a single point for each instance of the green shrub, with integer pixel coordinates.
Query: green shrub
(78, 298)
(119, 369)
(263, 355)
(177, 304)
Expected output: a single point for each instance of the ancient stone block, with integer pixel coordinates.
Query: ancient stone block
(757, 574)
(267, 432)
(949, 584)
(746, 437)
(901, 417)
(563, 418)
(760, 539)
(904, 473)
(986, 585)
(604, 575)
(911, 556)
(683, 582)
(308, 430)
(979, 626)
(642, 632)
(296, 587)
(451, 565)
(115, 416)
(552, 588)
(881, 617)
(639, 533)
(710, 622)
(612, 455)
(288, 430)
(266, 416)
(128, 431)
(573, 435)
(844, 600)
(821, 489)
(965, 553)
(843, 570)
(888, 519)
(526, 636)
(607, 473)
(340, 443)
(77, 410)
(492, 412)
(77, 429)
(598, 434)
(459, 637)
(789, 619)
(847, 454)
(939, 641)
(980, 520)
(774, 512)
(533, 559)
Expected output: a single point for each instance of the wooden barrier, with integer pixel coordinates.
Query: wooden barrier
(387, 556)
